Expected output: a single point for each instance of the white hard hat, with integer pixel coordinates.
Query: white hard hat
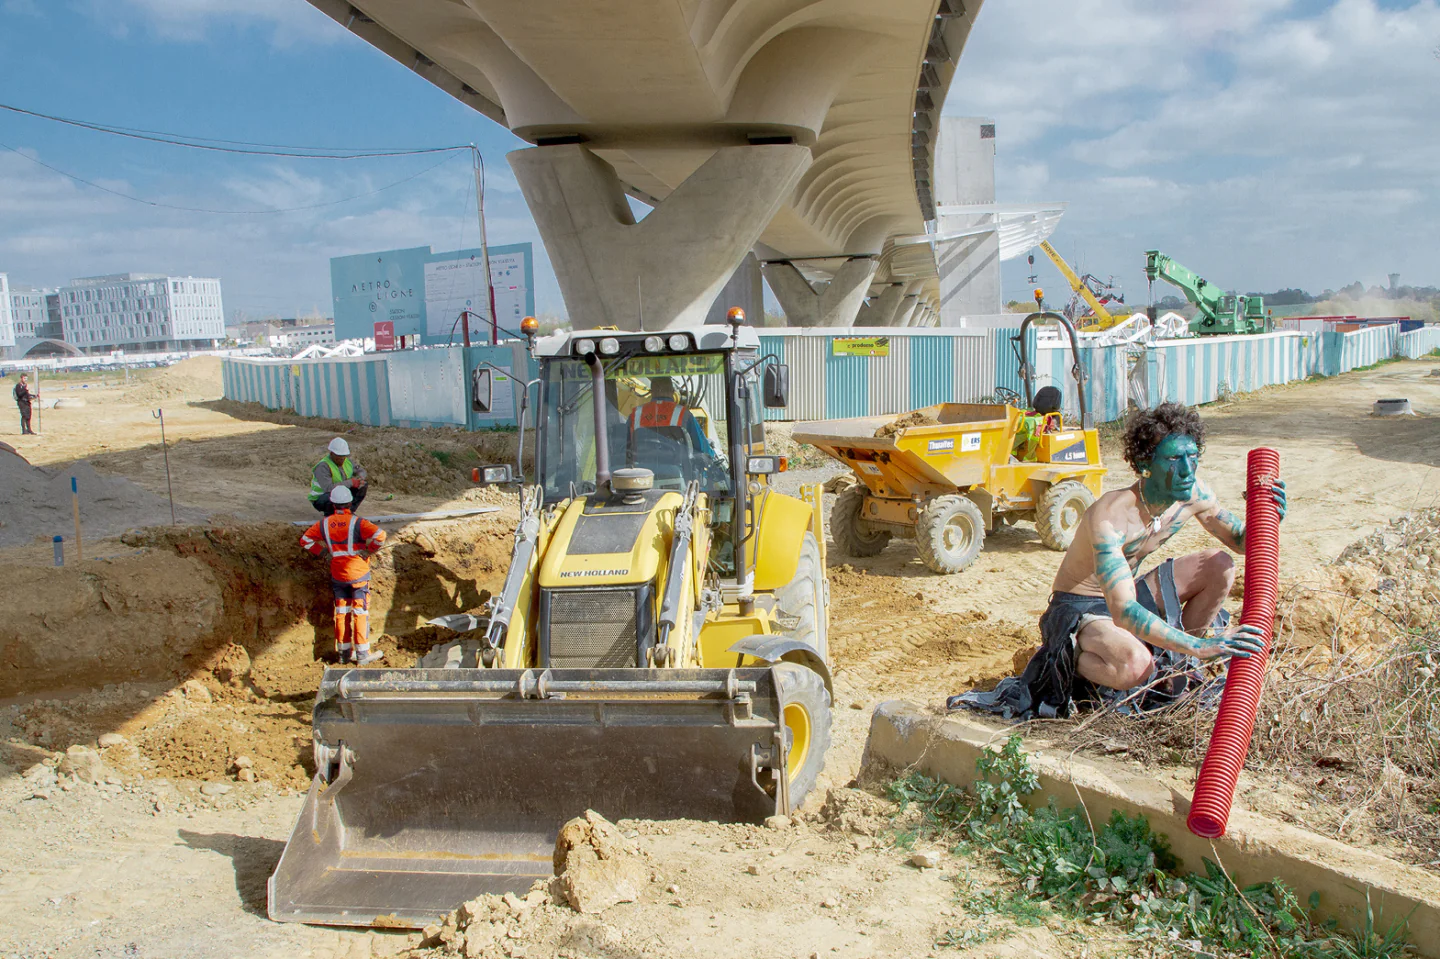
(340, 496)
(339, 447)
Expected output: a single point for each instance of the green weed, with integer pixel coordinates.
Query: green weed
(1123, 872)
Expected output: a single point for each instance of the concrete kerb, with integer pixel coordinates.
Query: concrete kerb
(904, 736)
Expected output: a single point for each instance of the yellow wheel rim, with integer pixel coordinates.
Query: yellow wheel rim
(797, 724)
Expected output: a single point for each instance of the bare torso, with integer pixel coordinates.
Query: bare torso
(1143, 533)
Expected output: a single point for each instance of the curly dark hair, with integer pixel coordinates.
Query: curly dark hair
(1148, 428)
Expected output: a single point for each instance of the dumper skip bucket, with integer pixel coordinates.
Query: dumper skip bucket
(434, 786)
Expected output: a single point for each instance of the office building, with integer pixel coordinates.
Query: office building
(142, 312)
(30, 313)
(7, 317)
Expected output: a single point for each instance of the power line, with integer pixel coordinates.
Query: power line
(191, 209)
(233, 146)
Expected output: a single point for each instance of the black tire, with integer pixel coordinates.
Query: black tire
(950, 533)
(802, 692)
(804, 600)
(1059, 512)
(853, 536)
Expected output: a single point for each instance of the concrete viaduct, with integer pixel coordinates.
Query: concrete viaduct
(797, 134)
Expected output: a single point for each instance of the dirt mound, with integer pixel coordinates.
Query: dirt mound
(37, 503)
(197, 378)
(895, 426)
(207, 644)
(802, 456)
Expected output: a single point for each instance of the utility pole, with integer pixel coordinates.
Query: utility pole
(484, 245)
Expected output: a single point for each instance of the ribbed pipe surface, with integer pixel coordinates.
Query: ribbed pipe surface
(1235, 721)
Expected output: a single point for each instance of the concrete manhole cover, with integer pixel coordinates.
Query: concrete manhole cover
(1399, 407)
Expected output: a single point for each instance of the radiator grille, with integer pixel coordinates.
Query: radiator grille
(592, 628)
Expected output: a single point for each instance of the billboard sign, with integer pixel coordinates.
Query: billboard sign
(422, 294)
(384, 335)
(455, 284)
(371, 288)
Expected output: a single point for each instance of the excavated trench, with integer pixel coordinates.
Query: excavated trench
(206, 644)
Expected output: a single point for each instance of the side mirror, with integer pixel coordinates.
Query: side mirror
(482, 390)
(493, 475)
(776, 388)
(766, 465)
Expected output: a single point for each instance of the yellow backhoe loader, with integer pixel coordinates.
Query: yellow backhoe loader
(658, 649)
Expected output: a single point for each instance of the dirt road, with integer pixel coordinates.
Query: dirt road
(148, 865)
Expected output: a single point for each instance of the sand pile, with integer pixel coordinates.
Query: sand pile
(197, 378)
(917, 418)
(37, 503)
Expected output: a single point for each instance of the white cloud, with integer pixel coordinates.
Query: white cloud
(293, 21)
(1261, 144)
(57, 229)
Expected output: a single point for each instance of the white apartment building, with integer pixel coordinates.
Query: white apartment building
(142, 312)
(27, 310)
(299, 337)
(7, 316)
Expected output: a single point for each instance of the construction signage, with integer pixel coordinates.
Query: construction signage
(860, 346)
(384, 335)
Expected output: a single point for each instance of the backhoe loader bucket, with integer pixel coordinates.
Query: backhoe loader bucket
(434, 786)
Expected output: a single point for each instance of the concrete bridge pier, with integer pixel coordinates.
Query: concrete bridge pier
(677, 259)
(835, 303)
(880, 309)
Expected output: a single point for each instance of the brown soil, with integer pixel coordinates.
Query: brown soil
(203, 645)
(898, 425)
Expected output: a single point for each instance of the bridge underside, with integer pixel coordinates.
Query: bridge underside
(657, 89)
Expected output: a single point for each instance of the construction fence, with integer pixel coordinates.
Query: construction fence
(861, 372)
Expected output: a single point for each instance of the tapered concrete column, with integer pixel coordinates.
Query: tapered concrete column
(745, 289)
(831, 304)
(880, 310)
(679, 257)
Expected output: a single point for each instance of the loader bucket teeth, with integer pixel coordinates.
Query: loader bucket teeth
(439, 785)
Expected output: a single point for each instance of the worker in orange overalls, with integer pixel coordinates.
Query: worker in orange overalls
(351, 541)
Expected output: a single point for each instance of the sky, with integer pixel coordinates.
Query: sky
(1263, 143)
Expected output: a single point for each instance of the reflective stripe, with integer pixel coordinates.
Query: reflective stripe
(349, 549)
(336, 475)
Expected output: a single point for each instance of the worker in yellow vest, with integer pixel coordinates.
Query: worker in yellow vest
(336, 469)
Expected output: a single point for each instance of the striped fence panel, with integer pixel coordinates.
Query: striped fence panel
(933, 365)
(1105, 367)
(1418, 343)
(1367, 347)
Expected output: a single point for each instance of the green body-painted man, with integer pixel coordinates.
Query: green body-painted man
(1123, 624)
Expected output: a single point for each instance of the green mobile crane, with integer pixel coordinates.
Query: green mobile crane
(1217, 312)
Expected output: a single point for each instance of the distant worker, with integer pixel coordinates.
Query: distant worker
(23, 399)
(350, 541)
(337, 469)
(664, 411)
(1043, 418)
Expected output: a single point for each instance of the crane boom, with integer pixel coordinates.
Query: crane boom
(1217, 311)
(1104, 319)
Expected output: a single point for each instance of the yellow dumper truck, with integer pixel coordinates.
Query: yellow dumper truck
(947, 474)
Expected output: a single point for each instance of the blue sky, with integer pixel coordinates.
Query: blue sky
(1264, 143)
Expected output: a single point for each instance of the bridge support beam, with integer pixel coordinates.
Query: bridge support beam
(836, 303)
(880, 309)
(677, 259)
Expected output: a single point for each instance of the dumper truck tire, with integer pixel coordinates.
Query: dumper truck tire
(950, 533)
(1058, 514)
(805, 711)
(853, 535)
(803, 600)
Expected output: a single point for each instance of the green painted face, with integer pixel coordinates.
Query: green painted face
(1172, 471)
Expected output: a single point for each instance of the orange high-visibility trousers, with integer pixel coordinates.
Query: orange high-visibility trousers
(352, 615)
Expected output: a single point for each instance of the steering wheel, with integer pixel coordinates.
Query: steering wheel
(1008, 396)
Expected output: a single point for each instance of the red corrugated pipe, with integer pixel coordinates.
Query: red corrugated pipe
(1235, 721)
